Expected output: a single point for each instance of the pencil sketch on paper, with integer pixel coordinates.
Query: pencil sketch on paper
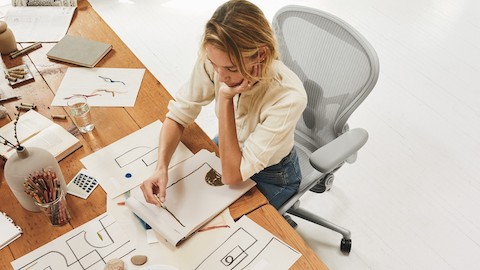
(213, 178)
(250, 247)
(96, 92)
(109, 80)
(89, 246)
(146, 154)
(113, 87)
(126, 163)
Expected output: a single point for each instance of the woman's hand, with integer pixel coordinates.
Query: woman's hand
(229, 92)
(154, 188)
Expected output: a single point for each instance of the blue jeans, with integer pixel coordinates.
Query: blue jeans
(278, 182)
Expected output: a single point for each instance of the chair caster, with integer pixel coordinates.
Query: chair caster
(290, 221)
(346, 245)
(324, 184)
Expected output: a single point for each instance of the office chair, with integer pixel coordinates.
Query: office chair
(338, 68)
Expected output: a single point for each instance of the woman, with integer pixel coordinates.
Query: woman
(258, 101)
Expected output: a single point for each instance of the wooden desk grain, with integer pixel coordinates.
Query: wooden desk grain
(111, 124)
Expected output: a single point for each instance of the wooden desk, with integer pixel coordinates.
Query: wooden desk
(111, 124)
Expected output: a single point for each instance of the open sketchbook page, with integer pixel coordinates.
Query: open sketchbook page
(191, 201)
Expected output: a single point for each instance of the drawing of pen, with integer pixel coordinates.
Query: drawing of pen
(166, 209)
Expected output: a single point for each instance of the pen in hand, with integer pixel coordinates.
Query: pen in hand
(159, 201)
(166, 209)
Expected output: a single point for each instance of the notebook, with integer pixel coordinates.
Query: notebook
(194, 197)
(8, 230)
(79, 51)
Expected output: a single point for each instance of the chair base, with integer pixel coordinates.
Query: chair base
(346, 242)
(290, 221)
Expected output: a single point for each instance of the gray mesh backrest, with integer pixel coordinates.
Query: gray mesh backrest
(338, 68)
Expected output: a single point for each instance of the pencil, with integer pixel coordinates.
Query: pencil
(25, 50)
(213, 227)
(45, 189)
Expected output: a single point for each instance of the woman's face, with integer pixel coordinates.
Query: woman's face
(227, 72)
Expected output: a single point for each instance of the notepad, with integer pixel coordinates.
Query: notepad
(8, 230)
(79, 51)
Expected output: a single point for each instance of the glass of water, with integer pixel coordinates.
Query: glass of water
(80, 112)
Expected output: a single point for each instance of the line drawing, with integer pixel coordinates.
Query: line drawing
(107, 79)
(243, 250)
(85, 248)
(211, 177)
(146, 154)
(231, 252)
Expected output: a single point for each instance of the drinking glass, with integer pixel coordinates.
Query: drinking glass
(80, 112)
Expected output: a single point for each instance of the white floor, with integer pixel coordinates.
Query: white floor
(412, 198)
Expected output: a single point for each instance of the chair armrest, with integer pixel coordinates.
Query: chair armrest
(329, 156)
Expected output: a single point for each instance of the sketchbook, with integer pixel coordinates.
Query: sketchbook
(8, 230)
(194, 197)
(79, 51)
(35, 130)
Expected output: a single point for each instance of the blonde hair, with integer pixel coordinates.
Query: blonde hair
(240, 29)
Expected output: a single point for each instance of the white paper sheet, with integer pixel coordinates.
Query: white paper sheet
(126, 163)
(43, 24)
(205, 247)
(249, 246)
(195, 249)
(5, 5)
(89, 246)
(106, 87)
(56, 3)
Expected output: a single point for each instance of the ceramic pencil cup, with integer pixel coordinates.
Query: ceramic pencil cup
(7, 40)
